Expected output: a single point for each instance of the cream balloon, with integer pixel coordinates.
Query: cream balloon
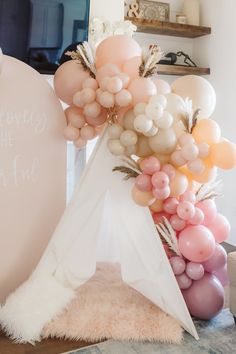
(115, 147)
(162, 86)
(128, 138)
(175, 106)
(114, 131)
(197, 89)
(143, 148)
(164, 142)
(128, 120)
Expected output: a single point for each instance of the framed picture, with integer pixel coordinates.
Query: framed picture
(153, 10)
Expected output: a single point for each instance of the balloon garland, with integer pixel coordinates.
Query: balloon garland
(169, 146)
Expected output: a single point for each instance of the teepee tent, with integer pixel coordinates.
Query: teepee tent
(101, 223)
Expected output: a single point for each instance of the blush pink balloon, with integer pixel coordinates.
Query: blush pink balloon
(220, 228)
(107, 70)
(161, 193)
(177, 223)
(162, 86)
(217, 260)
(184, 281)
(101, 119)
(71, 133)
(169, 170)
(170, 205)
(188, 197)
(209, 210)
(150, 165)
(198, 217)
(143, 183)
(178, 265)
(116, 50)
(160, 180)
(131, 67)
(196, 243)
(185, 210)
(222, 275)
(68, 79)
(142, 89)
(75, 117)
(205, 298)
(194, 271)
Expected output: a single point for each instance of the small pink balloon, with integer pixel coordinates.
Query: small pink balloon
(209, 210)
(161, 194)
(205, 298)
(88, 95)
(71, 133)
(87, 132)
(101, 119)
(150, 165)
(170, 205)
(178, 265)
(143, 183)
(160, 180)
(80, 143)
(177, 223)
(198, 217)
(194, 271)
(68, 79)
(185, 210)
(217, 260)
(106, 99)
(91, 83)
(169, 170)
(220, 228)
(131, 67)
(141, 90)
(196, 243)
(188, 197)
(162, 86)
(107, 70)
(184, 281)
(123, 98)
(74, 116)
(222, 275)
(159, 217)
(92, 110)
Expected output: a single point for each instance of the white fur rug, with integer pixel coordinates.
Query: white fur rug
(105, 307)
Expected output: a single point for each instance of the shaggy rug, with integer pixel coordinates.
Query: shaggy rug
(105, 307)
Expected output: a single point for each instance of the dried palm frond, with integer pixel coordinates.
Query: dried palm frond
(150, 58)
(191, 117)
(166, 231)
(85, 56)
(131, 163)
(128, 171)
(209, 191)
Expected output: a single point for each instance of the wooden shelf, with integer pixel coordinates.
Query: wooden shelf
(169, 28)
(181, 70)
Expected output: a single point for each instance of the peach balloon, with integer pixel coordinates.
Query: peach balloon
(107, 70)
(131, 67)
(116, 50)
(197, 89)
(162, 86)
(178, 185)
(71, 133)
(142, 89)
(142, 198)
(157, 206)
(206, 131)
(209, 174)
(223, 154)
(74, 115)
(101, 119)
(80, 143)
(121, 112)
(68, 79)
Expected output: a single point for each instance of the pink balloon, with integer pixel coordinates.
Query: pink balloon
(177, 223)
(71, 133)
(131, 67)
(162, 86)
(209, 210)
(101, 119)
(160, 180)
(222, 275)
(169, 170)
(178, 265)
(170, 205)
(188, 197)
(217, 260)
(150, 165)
(161, 193)
(220, 228)
(184, 281)
(116, 50)
(205, 298)
(194, 271)
(74, 115)
(143, 183)
(92, 110)
(185, 210)
(142, 89)
(68, 79)
(196, 243)
(107, 70)
(198, 217)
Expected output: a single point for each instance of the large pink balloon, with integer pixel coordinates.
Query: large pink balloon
(131, 67)
(197, 89)
(116, 50)
(217, 260)
(205, 298)
(208, 207)
(220, 228)
(196, 243)
(222, 275)
(68, 80)
(162, 86)
(142, 89)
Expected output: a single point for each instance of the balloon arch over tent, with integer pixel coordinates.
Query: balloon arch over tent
(161, 223)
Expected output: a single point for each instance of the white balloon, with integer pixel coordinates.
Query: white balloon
(128, 138)
(176, 106)
(164, 142)
(161, 99)
(142, 124)
(196, 166)
(177, 159)
(115, 147)
(186, 138)
(165, 122)
(154, 111)
(131, 150)
(128, 120)
(139, 108)
(114, 131)
(153, 131)
(190, 152)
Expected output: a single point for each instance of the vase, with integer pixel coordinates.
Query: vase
(191, 9)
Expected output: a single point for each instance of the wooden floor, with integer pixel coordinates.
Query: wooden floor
(51, 346)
